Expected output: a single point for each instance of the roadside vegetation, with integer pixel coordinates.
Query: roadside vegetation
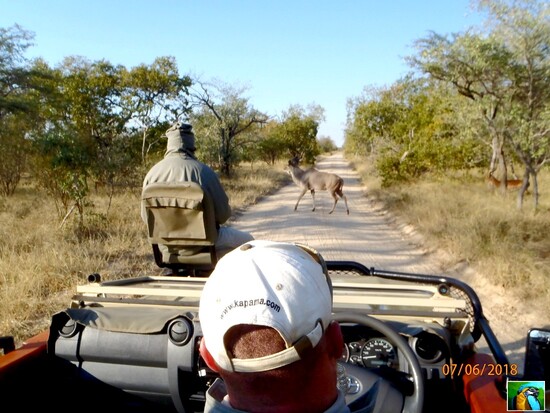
(42, 261)
(471, 221)
(77, 138)
(476, 105)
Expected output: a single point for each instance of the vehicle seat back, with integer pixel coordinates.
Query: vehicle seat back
(181, 225)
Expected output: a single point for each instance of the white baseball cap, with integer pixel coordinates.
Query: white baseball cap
(275, 284)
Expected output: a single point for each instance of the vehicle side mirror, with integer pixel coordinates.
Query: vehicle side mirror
(537, 355)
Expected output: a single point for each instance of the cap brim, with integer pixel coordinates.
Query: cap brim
(280, 359)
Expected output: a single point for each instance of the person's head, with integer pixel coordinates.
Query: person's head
(266, 318)
(180, 138)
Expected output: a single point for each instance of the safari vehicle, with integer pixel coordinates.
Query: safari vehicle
(411, 340)
(132, 346)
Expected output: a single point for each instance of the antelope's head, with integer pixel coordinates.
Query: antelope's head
(294, 161)
(288, 168)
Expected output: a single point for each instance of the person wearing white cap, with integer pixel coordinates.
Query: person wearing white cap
(181, 165)
(266, 319)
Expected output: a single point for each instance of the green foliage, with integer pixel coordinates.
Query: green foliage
(81, 120)
(227, 117)
(504, 71)
(411, 128)
(90, 92)
(14, 149)
(297, 132)
(62, 162)
(389, 169)
(118, 164)
(270, 146)
(206, 139)
(153, 97)
(23, 89)
(326, 144)
(14, 41)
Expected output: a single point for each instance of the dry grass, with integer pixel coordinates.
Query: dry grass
(41, 263)
(463, 216)
(251, 182)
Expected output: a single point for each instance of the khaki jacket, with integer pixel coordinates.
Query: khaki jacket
(180, 166)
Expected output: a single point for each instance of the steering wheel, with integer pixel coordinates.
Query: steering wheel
(376, 394)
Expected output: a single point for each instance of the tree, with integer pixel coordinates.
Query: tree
(14, 150)
(326, 144)
(74, 145)
(225, 115)
(154, 95)
(62, 165)
(78, 138)
(270, 146)
(505, 73)
(23, 87)
(524, 29)
(14, 74)
(371, 119)
(298, 131)
(408, 128)
(99, 112)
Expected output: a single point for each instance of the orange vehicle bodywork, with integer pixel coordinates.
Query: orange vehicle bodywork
(29, 351)
(481, 391)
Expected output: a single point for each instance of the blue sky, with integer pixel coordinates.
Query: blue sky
(285, 52)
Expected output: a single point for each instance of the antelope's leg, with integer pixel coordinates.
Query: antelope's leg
(335, 201)
(313, 198)
(300, 197)
(341, 193)
(346, 201)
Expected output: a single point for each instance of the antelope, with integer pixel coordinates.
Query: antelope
(312, 180)
(510, 183)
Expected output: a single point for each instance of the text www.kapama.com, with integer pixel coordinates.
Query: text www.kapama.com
(250, 303)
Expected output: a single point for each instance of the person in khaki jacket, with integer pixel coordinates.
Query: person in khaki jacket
(180, 165)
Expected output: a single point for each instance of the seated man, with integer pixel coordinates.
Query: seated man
(266, 318)
(181, 165)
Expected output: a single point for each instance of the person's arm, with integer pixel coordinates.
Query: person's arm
(142, 205)
(219, 197)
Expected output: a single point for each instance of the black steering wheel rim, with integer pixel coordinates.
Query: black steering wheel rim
(413, 403)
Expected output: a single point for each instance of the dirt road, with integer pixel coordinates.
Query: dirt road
(373, 237)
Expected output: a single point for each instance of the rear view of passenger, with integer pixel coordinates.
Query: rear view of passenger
(266, 319)
(179, 173)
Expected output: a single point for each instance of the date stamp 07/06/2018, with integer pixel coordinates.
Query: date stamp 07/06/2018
(452, 369)
(520, 395)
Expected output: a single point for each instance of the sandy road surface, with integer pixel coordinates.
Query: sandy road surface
(371, 236)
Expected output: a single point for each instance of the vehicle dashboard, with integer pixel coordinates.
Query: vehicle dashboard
(366, 347)
(437, 318)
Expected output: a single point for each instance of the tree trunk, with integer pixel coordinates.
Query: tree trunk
(143, 140)
(500, 159)
(535, 191)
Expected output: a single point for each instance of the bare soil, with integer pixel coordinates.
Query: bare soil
(374, 237)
